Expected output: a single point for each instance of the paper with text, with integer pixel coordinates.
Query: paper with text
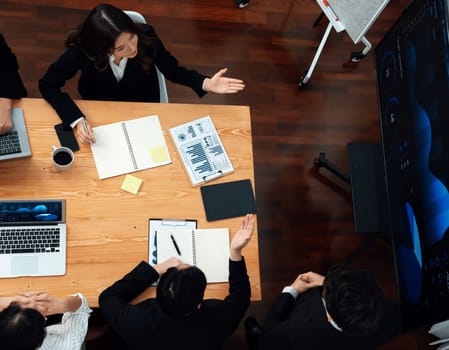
(201, 150)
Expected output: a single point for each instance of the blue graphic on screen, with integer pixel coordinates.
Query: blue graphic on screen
(432, 191)
(29, 212)
(411, 259)
(413, 88)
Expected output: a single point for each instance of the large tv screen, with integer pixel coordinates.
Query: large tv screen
(412, 63)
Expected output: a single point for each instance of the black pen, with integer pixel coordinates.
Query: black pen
(175, 244)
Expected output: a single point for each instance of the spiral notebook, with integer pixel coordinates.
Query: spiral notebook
(208, 249)
(129, 146)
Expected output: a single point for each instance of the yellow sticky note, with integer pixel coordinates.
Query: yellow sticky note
(159, 154)
(131, 184)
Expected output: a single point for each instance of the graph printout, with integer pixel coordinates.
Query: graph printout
(201, 150)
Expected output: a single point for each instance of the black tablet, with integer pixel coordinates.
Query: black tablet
(228, 199)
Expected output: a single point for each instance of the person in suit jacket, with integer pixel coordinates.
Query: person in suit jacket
(179, 317)
(117, 60)
(344, 310)
(11, 85)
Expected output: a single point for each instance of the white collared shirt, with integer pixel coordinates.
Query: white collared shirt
(329, 317)
(118, 69)
(290, 290)
(71, 332)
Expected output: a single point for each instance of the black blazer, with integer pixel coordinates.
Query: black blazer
(136, 85)
(11, 85)
(145, 326)
(303, 324)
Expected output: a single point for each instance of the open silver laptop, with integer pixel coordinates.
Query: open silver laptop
(15, 144)
(32, 237)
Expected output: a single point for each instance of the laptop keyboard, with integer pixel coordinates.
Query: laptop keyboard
(29, 240)
(9, 143)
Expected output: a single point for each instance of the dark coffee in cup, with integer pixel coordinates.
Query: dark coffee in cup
(62, 158)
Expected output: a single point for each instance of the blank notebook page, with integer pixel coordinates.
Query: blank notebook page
(212, 253)
(208, 249)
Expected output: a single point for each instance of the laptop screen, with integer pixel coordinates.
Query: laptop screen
(31, 211)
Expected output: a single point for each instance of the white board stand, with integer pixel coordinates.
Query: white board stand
(353, 16)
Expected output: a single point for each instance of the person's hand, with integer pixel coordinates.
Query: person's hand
(49, 305)
(83, 135)
(222, 85)
(5, 115)
(44, 303)
(165, 265)
(242, 237)
(5, 301)
(306, 281)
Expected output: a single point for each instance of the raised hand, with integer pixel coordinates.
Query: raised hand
(242, 237)
(223, 85)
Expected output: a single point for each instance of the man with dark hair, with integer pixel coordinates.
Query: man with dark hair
(344, 310)
(23, 322)
(179, 317)
(181, 290)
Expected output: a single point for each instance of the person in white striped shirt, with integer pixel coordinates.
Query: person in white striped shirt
(23, 318)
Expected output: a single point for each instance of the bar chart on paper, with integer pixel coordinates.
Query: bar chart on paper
(201, 150)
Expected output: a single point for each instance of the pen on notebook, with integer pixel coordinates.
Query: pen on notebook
(175, 244)
(86, 129)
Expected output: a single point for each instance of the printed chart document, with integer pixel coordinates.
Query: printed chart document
(201, 150)
(208, 249)
(129, 146)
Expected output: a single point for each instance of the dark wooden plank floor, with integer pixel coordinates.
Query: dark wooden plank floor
(305, 219)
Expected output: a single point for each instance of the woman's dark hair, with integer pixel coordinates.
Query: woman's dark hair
(354, 300)
(101, 28)
(180, 291)
(21, 328)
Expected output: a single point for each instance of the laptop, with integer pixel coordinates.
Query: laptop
(15, 144)
(32, 237)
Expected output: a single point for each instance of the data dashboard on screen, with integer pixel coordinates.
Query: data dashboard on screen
(412, 64)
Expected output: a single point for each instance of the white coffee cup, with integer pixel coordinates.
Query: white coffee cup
(62, 158)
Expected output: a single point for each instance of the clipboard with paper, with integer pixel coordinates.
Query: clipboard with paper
(155, 225)
(201, 150)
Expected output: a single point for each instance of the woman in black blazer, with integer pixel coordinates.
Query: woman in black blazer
(117, 60)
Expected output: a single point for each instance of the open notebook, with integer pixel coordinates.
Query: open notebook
(129, 146)
(208, 249)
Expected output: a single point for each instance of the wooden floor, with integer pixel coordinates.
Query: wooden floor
(305, 219)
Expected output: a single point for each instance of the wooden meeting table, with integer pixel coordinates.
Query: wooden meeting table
(107, 228)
